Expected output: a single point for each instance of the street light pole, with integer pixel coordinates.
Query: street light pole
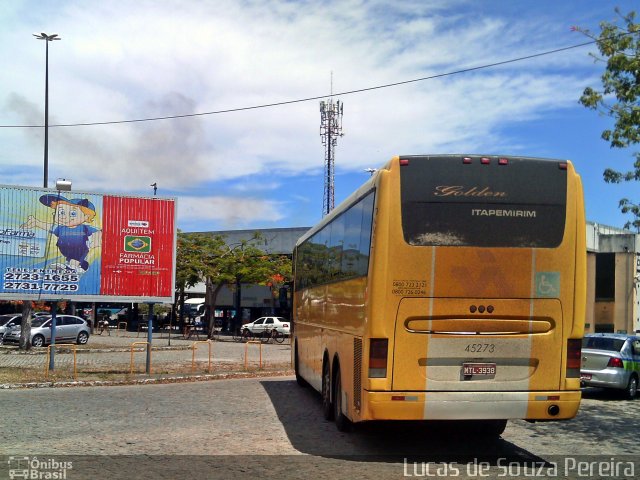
(47, 39)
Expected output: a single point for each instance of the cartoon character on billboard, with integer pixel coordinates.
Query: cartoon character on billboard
(71, 224)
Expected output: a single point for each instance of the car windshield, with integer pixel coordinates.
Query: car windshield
(603, 343)
(5, 319)
(38, 322)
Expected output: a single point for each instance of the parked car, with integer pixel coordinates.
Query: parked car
(258, 326)
(611, 360)
(69, 328)
(7, 321)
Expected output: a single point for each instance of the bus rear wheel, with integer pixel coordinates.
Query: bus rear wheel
(296, 367)
(327, 405)
(342, 422)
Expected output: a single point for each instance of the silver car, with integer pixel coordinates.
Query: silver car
(9, 320)
(611, 360)
(69, 329)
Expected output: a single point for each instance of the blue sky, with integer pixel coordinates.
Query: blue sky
(263, 168)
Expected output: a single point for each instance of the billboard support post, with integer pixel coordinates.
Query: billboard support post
(52, 350)
(149, 337)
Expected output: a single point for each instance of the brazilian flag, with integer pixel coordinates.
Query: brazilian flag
(135, 243)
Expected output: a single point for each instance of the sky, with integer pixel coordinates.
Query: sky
(119, 61)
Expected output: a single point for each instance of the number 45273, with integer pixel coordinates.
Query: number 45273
(480, 348)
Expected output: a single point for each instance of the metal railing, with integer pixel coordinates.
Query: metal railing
(246, 357)
(133, 345)
(75, 363)
(194, 347)
(120, 325)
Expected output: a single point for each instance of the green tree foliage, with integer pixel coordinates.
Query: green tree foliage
(210, 259)
(187, 266)
(619, 96)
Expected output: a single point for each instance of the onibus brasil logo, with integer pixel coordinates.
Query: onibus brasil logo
(38, 468)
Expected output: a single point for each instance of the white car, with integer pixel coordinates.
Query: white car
(258, 326)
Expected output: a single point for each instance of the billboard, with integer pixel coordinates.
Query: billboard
(86, 247)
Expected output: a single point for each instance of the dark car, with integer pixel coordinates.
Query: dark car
(611, 360)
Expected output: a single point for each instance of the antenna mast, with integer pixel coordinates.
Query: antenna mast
(330, 129)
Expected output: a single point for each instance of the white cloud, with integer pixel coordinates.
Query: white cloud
(232, 213)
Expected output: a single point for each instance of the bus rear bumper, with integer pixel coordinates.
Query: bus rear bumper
(550, 405)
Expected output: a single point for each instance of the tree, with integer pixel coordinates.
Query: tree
(619, 97)
(219, 264)
(25, 326)
(187, 267)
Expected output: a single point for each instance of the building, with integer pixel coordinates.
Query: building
(613, 278)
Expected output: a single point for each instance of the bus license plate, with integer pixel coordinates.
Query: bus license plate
(476, 369)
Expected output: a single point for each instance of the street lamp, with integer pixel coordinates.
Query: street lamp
(47, 38)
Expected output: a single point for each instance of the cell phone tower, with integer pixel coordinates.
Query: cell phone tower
(330, 130)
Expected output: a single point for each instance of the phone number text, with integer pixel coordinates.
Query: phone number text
(47, 287)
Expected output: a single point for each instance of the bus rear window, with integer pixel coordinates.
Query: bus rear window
(448, 202)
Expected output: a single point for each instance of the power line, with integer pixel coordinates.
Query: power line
(308, 99)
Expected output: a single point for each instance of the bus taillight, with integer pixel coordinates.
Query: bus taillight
(574, 346)
(378, 351)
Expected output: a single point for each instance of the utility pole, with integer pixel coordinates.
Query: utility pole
(47, 39)
(330, 130)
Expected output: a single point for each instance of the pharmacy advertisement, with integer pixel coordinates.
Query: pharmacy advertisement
(57, 245)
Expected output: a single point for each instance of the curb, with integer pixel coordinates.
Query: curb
(148, 381)
(43, 351)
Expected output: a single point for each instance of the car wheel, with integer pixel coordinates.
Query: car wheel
(37, 341)
(632, 388)
(83, 338)
(327, 406)
(342, 422)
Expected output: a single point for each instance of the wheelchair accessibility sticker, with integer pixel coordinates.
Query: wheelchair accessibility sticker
(547, 284)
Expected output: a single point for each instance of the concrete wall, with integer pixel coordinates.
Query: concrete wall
(590, 317)
(619, 314)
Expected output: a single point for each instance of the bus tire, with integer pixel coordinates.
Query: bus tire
(342, 422)
(296, 367)
(327, 405)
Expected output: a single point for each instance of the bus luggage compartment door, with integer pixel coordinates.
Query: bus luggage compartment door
(477, 344)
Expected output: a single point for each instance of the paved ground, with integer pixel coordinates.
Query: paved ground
(272, 428)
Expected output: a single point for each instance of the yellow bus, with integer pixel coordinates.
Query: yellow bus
(447, 287)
